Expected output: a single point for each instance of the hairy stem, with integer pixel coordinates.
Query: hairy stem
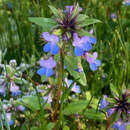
(60, 75)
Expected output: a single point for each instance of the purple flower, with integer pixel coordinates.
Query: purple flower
(3, 88)
(82, 44)
(119, 125)
(51, 45)
(75, 88)
(103, 102)
(14, 89)
(110, 111)
(47, 98)
(3, 91)
(39, 88)
(11, 122)
(79, 69)
(20, 108)
(113, 16)
(126, 2)
(47, 66)
(71, 8)
(92, 60)
(9, 4)
(13, 63)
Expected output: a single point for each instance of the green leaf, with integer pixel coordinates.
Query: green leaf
(72, 64)
(114, 90)
(81, 18)
(75, 107)
(84, 33)
(92, 114)
(50, 126)
(45, 23)
(34, 128)
(75, 11)
(66, 128)
(43, 78)
(10, 70)
(30, 102)
(88, 95)
(88, 22)
(54, 11)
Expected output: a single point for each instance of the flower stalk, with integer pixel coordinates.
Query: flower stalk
(60, 79)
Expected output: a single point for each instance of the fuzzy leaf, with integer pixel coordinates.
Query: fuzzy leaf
(88, 22)
(54, 11)
(50, 126)
(45, 23)
(75, 107)
(84, 33)
(92, 114)
(72, 63)
(30, 102)
(114, 90)
(81, 18)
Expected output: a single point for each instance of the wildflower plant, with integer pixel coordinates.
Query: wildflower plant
(65, 33)
(117, 108)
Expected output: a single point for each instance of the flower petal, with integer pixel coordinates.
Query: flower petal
(54, 49)
(46, 36)
(49, 72)
(41, 71)
(97, 62)
(75, 88)
(11, 122)
(87, 46)
(47, 47)
(93, 66)
(54, 38)
(78, 51)
(93, 40)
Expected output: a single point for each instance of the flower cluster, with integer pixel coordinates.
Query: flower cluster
(126, 2)
(82, 44)
(75, 88)
(14, 89)
(51, 45)
(113, 16)
(121, 106)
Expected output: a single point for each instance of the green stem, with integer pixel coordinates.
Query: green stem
(60, 76)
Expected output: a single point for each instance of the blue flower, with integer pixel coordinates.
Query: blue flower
(75, 88)
(3, 91)
(110, 111)
(20, 108)
(82, 44)
(14, 89)
(113, 16)
(80, 68)
(70, 9)
(126, 2)
(47, 67)
(9, 4)
(92, 60)
(47, 98)
(11, 122)
(119, 125)
(3, 88)
(51, 45)
(103, 103)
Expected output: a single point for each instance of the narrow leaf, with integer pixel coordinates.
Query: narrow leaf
(88, 22)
